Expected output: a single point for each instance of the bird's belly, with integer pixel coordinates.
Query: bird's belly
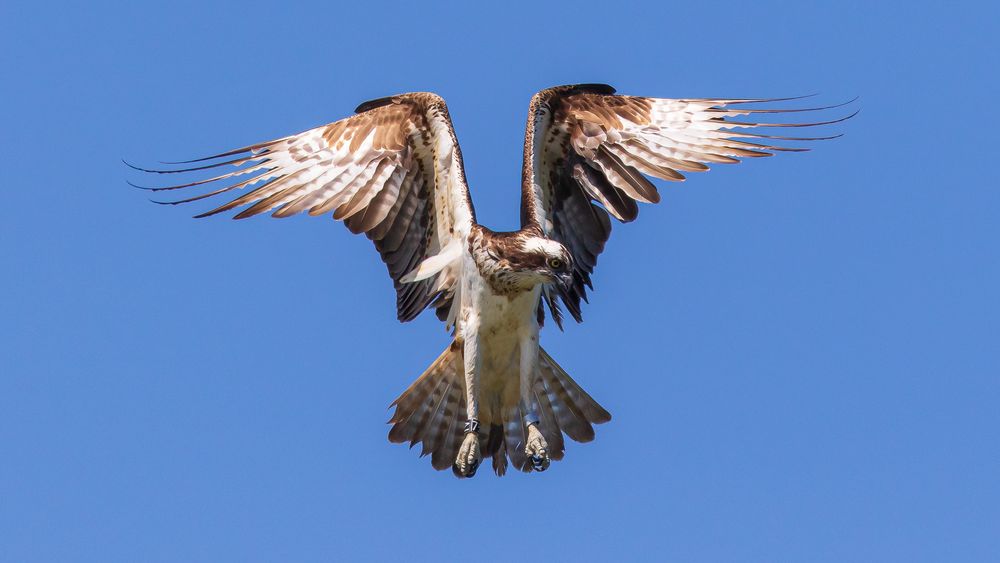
(503, 323)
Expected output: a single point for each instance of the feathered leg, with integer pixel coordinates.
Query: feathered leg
(467, 461)
(536, 448)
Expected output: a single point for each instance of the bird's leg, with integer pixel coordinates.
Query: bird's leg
(467, 461)
(536, 449)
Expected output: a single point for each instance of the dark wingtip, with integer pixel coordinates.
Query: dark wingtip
(571, 89)
(141, 169)
(595, 88)
(372, 104)
(766, 100)
(150, 170)
(259, 147)
(799, 110)
(129, 182)
(842, 119)
(132, 166)
(813, 124)
(193, 160)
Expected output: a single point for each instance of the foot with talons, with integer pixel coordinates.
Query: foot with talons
(537, 449)
(467, 461)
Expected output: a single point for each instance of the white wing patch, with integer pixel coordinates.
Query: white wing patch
(443, 259)
(393, 171)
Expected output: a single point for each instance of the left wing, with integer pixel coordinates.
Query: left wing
(587, 153)
(392, 171)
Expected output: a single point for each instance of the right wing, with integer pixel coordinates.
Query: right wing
(587, 153)
(392, 171)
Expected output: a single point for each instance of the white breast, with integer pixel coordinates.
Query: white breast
(503, 320)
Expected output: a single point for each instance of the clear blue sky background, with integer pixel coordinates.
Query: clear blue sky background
(800, 353)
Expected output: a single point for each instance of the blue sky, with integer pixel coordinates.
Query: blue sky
(800, 353)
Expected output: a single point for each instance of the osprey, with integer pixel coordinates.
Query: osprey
(394, 172)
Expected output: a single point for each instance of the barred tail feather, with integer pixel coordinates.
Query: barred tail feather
(549, 426)
(450, 430)
(427, 411)
(563, 407)
(497, 449)
(572, 408)
(516, 437)
(432, 412)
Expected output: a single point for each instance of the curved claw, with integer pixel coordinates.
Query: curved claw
(467, 461)
(540, 462)
(537, 449)
(469, 472)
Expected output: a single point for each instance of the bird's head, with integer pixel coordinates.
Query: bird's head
(542, 260)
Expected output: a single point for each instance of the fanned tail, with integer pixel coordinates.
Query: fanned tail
(563, 407)
(429, 411)
(432, 412)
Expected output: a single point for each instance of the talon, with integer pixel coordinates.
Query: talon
(540, 462)
(537, 449)
(467, 461)
(465, 470)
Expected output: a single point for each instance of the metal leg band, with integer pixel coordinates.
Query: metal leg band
(472, 426)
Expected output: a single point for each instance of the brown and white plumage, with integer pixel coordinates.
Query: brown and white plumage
(394, 172)
(588, 151)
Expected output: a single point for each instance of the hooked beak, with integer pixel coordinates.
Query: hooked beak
(565, 281)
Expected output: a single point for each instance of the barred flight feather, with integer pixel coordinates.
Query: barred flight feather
(585, 139)
(393, 171)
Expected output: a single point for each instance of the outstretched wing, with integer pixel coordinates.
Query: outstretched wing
(587, 152)
(392, 171)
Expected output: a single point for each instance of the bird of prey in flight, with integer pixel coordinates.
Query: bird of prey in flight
(394, 172)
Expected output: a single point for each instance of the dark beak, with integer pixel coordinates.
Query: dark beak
(565, 281)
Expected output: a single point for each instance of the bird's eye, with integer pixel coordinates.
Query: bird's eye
(555, 263)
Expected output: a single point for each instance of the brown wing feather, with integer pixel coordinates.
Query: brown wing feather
(588, 152)
(393, 171)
